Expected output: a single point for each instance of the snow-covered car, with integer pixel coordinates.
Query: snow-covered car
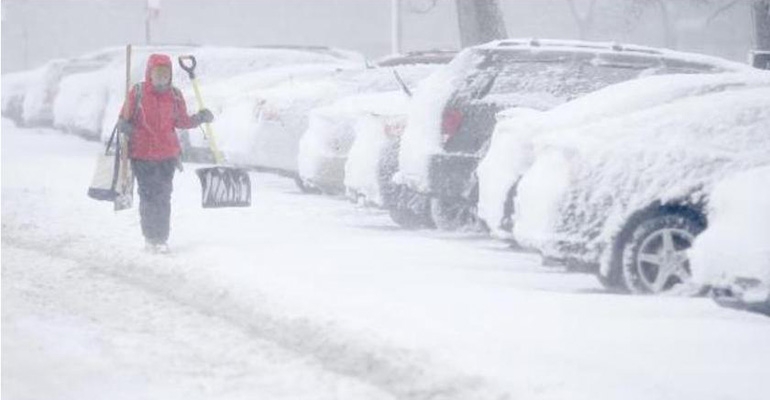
(331, 130)
(84, 99)
(332, 133)
(268, 126)
(73, 87)
(627, 194)
(732, 256)
(230, 76)
(28, 96)
(453, 113)
(511, 150)
(15, 86)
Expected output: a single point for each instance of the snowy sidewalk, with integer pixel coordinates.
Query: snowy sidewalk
(401, 314)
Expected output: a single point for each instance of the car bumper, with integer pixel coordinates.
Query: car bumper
(371, 178)
(327, 173)
(449, 175)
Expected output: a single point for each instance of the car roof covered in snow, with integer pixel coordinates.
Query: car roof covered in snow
(616, 51)
(418, 57)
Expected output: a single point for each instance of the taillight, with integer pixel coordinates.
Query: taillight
(450, 123)
(394, 127)
(265, 111)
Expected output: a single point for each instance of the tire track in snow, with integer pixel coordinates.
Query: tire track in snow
(75, 333)
(401, 373)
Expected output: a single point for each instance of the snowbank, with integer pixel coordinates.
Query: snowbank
(736, 244)
(511, 151)
(618, 166)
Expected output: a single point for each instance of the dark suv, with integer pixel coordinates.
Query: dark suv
(442, 146)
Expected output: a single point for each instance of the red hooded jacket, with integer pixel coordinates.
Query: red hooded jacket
(156, 118)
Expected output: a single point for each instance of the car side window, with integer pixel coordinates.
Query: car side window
(590, 77)
(545, 82)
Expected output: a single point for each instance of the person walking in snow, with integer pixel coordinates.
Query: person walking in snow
(153, 111)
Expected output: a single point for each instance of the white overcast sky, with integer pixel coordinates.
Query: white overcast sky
(34, 31)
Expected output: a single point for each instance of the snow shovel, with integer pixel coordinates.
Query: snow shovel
(221, 186)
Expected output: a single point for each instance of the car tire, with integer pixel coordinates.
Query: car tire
(654, 258)
(613, 282)
(451, 215)
(408, 219)
(306, 188)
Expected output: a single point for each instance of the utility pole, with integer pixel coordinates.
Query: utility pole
(760, 12)
(395, 26)
(25, 32)
(151, 12)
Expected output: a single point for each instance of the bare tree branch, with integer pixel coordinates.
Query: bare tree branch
(584, 21)
(720, 10)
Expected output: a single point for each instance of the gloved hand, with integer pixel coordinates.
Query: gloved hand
(202, 116)
(125, 127)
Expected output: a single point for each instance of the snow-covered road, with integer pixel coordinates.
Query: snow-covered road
(75, 332)
(311, 297)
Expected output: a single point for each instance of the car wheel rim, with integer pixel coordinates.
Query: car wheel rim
(662, 260)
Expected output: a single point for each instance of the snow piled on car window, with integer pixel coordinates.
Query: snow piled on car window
(736, 243)
(671, 153)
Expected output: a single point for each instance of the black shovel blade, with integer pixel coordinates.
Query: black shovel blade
(224, 187)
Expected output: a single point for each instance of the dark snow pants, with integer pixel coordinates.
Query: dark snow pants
(155, 179)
